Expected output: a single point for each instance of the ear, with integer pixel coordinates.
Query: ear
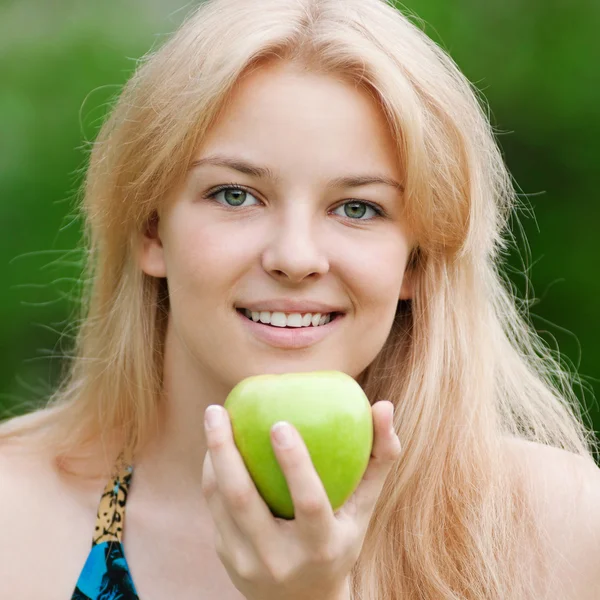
(150, 251)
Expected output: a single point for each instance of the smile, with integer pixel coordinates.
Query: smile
(281, 319)
(290, 336)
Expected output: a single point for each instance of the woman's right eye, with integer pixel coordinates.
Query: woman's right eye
(232, 195)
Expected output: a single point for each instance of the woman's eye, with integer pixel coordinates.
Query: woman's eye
(232, 196)
(354, 210)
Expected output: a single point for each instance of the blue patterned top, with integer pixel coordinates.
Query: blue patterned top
(105, 574)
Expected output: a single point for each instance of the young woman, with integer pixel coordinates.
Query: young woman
(309, 157)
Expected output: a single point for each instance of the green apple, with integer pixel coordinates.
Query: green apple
(330, 411)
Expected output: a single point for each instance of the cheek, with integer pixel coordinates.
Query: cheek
(203, 253)
(376, 283)
(375, 271)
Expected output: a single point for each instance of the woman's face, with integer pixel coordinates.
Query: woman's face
(289, 233)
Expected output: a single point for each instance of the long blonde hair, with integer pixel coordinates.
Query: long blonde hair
(462, 365)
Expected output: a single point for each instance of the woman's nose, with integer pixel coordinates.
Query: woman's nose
(295, 250)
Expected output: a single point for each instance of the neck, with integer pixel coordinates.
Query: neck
(169, 468)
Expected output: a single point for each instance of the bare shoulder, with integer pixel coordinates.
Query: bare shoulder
(46, 526)
(566, 491)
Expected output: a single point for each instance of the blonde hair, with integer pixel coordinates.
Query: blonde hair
(462, 365)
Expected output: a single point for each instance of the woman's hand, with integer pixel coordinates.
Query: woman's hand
(309, 557)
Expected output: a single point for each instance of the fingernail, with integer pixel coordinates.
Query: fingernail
(391, 417)
(213, 416)
(283, 435)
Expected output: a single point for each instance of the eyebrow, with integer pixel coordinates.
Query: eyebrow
(248, 168)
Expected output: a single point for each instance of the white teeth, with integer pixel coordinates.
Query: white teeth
(280, 319)
(293, 320)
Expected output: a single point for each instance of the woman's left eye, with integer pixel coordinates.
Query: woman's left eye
(354, 210)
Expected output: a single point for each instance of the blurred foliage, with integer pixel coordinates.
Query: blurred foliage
(62, 62)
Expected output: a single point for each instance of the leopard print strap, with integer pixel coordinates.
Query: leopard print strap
(111, 510)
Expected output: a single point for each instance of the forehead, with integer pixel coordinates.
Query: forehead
(305, 120)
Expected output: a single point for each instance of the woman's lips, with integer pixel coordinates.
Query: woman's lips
(290, 337)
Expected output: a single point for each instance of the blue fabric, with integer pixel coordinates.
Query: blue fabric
(105, 574)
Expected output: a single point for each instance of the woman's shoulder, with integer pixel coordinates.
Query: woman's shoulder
(46, 524)
(566, 494)
(562, 478)
(543, 461)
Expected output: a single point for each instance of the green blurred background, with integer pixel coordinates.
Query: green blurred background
(61, 63)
